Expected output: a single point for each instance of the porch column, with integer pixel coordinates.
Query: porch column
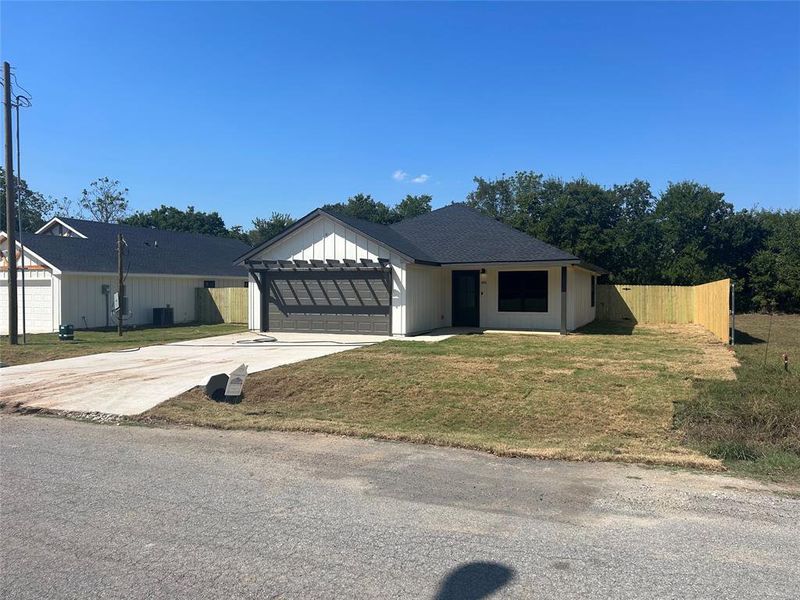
(264, 303)
(563, 300)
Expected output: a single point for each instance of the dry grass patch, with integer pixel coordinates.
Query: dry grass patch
(607, 396)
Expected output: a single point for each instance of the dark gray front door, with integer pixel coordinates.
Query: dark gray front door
(330, 302)
(466, 298)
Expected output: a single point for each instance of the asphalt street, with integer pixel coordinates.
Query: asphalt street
(105, 511)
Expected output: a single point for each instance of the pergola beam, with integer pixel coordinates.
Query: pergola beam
(264, 271)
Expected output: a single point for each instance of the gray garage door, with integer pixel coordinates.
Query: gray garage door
(344, 302)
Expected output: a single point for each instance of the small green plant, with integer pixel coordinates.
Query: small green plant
(732, 450)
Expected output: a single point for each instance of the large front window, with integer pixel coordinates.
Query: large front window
(522, 291)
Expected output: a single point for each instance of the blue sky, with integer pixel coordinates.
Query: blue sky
(253, 108)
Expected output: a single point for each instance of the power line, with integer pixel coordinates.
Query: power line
(27, 95)
(22, 100)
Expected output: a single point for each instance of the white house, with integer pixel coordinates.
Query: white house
(70, 268)
(451, 267)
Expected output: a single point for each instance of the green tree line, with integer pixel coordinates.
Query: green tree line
(684, 235)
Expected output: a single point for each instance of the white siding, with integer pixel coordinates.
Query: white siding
(81, 297)
(55, 298)
(39, 297)
(323, 238)
(253, 305)
(430, 301)
(38, 292)
(421, 295)
(428, 304)
(491, 318)
(579, 298)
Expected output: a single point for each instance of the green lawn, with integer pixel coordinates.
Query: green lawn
(46, 346)
(753, 423)
(605, 395)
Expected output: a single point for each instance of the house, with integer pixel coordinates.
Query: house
(70, 268)
(451, 267)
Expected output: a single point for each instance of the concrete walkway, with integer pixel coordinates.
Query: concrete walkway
(132, 381)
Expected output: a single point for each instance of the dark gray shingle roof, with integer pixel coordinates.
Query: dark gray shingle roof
(460, 234)
(450, 235)
(150, 251)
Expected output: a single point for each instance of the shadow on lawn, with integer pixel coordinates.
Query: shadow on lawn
(475, 580)
(743, 338)
(608, 328)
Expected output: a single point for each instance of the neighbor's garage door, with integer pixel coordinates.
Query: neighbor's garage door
(38, 306)
(330, 302)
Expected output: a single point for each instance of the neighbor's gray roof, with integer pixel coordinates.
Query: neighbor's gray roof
(451, 235)
(152, 251)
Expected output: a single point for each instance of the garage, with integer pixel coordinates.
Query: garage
(38, 293)
(325, 296)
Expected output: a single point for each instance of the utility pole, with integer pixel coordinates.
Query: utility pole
(19, 220)
(120, 285)
(10, 232)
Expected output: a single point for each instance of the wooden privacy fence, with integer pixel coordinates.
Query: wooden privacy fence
(707, 305)
(220, 305)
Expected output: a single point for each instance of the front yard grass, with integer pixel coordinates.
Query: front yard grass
(47, 346)
(753, 423)
(605, 395)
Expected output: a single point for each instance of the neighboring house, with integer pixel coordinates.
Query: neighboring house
(71, 266)
(451, 267)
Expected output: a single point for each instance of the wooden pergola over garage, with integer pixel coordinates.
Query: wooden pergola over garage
(324, 296)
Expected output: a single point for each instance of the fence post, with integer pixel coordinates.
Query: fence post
(733, 313)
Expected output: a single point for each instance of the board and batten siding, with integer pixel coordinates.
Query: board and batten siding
(41, 296)
(324, 238)
(81, 296)
(579, 298)
(431, 304)
(428, 299)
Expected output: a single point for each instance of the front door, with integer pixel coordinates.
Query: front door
(466, 299)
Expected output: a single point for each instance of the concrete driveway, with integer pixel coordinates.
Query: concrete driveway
(129, 382)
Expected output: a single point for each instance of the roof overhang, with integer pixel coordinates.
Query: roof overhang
(21, 245)
(572, 262)
(592, 268)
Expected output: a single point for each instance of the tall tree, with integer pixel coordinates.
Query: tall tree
(581, 219)
(105, 200)
(774, 270)
(175, 219)
(412, 206)
(266, 229)
(515, 200)
(691, 220)
(363, 206)
(35, 209)
(636, 235)
(67, 207)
